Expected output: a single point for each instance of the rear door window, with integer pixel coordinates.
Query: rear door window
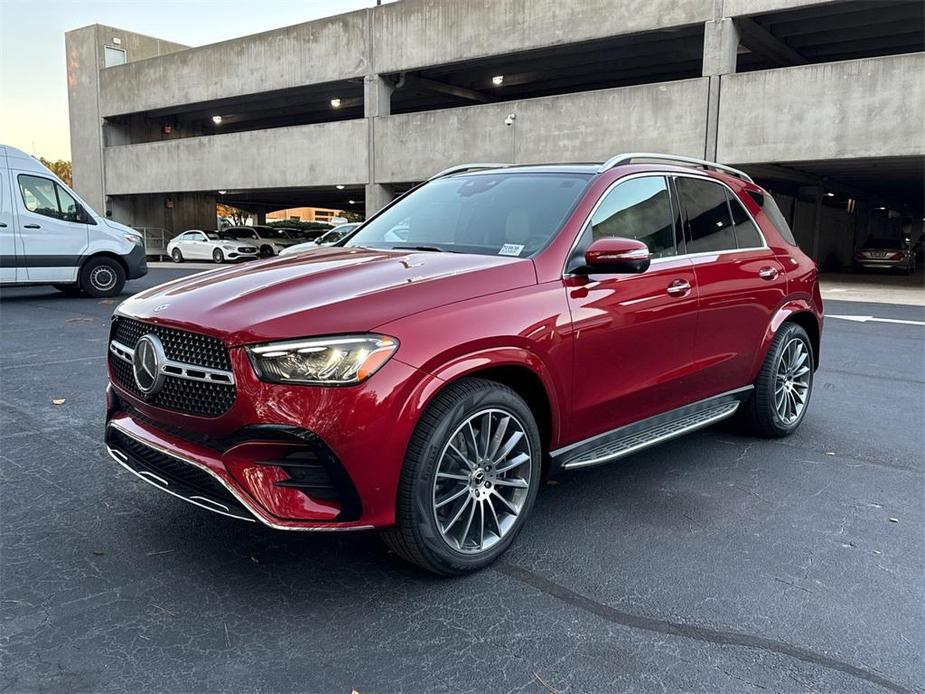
(746, 233)
(709, 222)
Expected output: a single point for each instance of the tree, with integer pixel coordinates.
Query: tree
(237, 216)
(60, 168)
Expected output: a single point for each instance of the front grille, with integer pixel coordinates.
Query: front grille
(176, 472)
(182, 395)
(247, 249)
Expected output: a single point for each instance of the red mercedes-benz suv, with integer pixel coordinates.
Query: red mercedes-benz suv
(493, 325)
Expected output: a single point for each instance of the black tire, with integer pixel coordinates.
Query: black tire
(416, 537)
(176, 255)
(218, 256)
(102, 277)
(759, 413)
(267, 251)
(68, 289)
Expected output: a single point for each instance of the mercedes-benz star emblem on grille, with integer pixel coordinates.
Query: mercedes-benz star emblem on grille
(161, 307)
(146, 364)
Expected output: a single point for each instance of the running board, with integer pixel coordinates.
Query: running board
(648, 432)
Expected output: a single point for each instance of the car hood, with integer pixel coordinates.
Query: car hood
(328, 291)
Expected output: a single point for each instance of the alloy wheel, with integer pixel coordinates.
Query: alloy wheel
(482, 481)
(792, 381)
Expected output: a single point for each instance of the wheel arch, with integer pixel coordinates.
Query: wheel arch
(103, 254)
(801, 313)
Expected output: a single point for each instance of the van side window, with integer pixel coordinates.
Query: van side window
(708, 220)
(747, 234)
(38, 195)
(638, 209)
(44, 196)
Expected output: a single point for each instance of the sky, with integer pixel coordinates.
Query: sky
(33, 82)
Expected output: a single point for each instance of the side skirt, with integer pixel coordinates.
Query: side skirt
(634, 437)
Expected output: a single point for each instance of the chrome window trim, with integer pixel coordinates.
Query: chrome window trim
(666, 174)
(235, 493)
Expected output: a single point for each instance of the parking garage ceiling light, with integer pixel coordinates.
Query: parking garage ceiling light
(497, 80)
(352, 202)
(216, 119)
(830, 195)
(222, 192)
(335, 103)
(339, 187)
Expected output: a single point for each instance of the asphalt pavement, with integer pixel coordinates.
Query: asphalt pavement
(714, 563)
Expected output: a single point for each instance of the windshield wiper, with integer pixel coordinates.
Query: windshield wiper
(419, 248)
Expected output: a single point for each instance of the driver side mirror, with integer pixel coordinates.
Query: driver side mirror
(617, 255)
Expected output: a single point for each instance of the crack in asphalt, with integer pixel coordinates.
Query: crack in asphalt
(690, 631)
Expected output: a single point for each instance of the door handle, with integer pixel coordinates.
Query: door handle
(768, 273)
(2, 225)
(679, 288)
(32, 226)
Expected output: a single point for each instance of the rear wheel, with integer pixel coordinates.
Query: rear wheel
(176, 255)
(469, 481)
(218, 256)
(101, 277)
(782, 392)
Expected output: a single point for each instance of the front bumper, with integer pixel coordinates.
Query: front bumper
(136, 263)
(290, 457)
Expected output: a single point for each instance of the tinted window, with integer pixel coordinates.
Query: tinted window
(747, 235)
(514, 214)
(769, 206)
(709, 223)
(638, 209)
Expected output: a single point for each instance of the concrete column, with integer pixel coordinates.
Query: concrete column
(83, 88)
(720, 50)
(260, 217)
(377, 197)
(377, 94)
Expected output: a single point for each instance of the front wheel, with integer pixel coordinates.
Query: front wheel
(267, 251)
(101, 277)
(781, 396)
(469, 480)
(218, 256)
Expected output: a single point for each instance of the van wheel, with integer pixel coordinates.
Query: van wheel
(218, 256)
(176, 255)
(101, 277)
(470, 478)
(266, 252)
(68, 289)
(782, 392)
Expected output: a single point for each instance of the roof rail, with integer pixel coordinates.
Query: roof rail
(628, 158)
(459, 168)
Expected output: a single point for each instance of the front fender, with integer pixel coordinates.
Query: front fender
(493, 357)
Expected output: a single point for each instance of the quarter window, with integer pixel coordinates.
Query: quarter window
(638, 209)
(708, 219)
(769, 206)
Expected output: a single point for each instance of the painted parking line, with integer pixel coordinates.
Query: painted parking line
(872, 319)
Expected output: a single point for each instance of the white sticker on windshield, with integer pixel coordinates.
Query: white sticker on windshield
(510, 249)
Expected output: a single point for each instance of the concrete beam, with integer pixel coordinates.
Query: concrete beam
(322, 154)
(765, 44)
(853, 109)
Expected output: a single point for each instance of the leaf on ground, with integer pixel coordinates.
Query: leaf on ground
(106, 301)
(552, 483)
(58, 401)
(894, 520)
(81, 319)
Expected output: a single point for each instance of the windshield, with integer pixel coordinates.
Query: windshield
(513, 214)
(883, 243)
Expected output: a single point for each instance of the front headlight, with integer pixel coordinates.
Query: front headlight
(135, 238)
(324, 361)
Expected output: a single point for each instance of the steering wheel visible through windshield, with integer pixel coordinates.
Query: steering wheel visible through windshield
(512, 213)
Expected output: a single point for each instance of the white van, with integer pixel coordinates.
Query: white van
(48, 235)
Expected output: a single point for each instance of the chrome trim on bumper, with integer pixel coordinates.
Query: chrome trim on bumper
(237, 495)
